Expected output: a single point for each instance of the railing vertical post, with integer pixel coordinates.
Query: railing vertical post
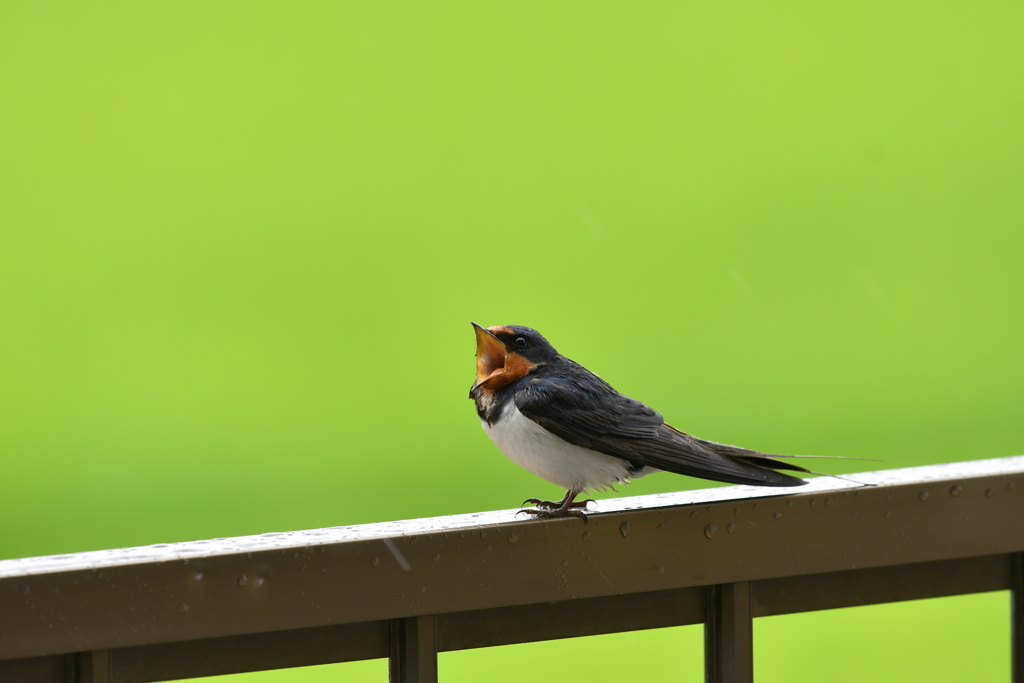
(413, 657)
(97, 666)
(1017, 617)
(728, 634)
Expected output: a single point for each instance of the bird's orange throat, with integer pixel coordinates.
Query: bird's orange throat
(496, 366)
(516, 367)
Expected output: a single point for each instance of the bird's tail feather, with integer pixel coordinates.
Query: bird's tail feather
(678, 452)
(771, 460)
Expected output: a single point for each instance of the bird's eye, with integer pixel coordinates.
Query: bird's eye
(521, 342)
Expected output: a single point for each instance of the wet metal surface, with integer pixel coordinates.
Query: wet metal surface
(220, 606)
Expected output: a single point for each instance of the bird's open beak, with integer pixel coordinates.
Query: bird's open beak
(490, 356)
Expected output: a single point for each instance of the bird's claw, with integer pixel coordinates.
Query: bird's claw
(548, 505)
(555, 513)
(545, 509)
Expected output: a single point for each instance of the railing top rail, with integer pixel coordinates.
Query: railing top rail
(299, 540)
(493, 560)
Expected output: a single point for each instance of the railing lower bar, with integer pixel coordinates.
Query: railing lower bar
(253, 652)
(569, 619)
(51, 669)
(729, 634)
(878, 585)
(413, 657)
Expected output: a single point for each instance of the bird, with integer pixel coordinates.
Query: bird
(561, 422)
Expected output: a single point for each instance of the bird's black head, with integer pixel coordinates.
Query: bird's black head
(506, 353)
(526, 341)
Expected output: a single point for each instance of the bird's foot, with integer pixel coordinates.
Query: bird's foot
(556, 512)
(548, 505)
(545, 509)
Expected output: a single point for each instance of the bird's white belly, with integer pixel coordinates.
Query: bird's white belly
(537, 450)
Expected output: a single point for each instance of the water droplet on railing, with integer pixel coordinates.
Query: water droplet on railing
(989, 493)
(625, 528)
(182, 607)
(198, 575)
(512, 538)
(661, 525)
(778, 515)
(693, 513)
(375, 561)
(709, 530)
(436, 557)
(955, 490)
(586, 535)
(730, 527)
(242, 579)
(924, 496)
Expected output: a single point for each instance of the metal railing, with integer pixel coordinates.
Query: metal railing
(408, 590)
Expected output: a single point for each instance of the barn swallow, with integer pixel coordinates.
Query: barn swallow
(558, 420)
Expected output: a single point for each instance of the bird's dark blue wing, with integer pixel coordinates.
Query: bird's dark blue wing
(581, 408)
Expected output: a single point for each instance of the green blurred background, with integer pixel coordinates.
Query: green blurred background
(241, 244)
